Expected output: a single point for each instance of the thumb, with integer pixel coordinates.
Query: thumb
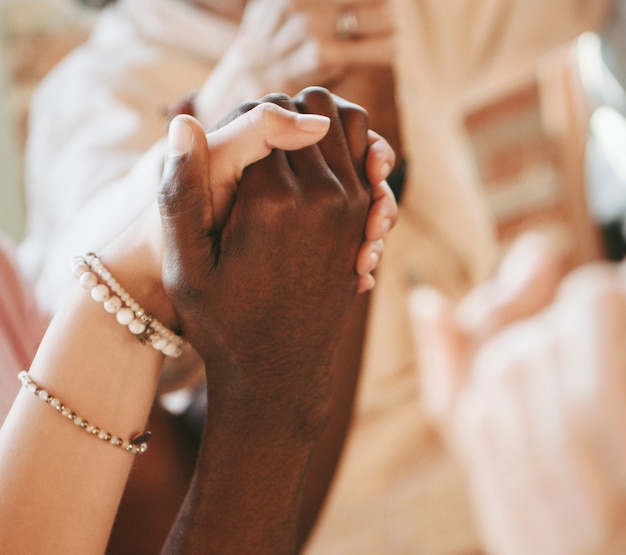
(184, 195)
(201, 174)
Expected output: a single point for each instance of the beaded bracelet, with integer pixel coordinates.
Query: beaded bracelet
(135, 446)
(117, 301)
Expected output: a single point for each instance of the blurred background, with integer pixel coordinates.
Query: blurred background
(34, 35)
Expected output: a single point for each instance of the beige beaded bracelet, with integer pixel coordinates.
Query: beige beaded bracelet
(135, 446)
(117, 301)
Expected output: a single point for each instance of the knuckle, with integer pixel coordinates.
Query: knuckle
(314, 95)
(260, 114)
(362, 198)
(352, 114)
(266, 113)
(334, 208)
(281, 99)
(237, 112)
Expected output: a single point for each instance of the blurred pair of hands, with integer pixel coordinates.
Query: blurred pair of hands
(526, 379)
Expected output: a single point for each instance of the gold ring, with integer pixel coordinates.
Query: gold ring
(346, 25)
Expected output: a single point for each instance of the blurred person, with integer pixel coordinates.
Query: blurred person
(525, 379)
(525, 375)
(398, 488)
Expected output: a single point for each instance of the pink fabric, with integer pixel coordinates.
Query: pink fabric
(22, 325)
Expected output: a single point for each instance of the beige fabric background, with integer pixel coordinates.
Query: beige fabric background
(34, 35)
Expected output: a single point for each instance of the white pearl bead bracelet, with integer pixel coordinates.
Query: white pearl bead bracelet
(116, 300)
(135, 446)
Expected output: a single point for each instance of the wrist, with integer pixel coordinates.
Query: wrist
(135, 259)
(265, 409)
(97, 367)
(143, 285)
(104, 288)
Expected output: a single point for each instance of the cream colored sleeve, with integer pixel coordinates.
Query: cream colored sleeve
(444, 48)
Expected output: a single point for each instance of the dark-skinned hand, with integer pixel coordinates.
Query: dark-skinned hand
(262, 265)
(261, 285)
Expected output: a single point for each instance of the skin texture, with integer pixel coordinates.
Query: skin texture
(267, 361)
(527, 383)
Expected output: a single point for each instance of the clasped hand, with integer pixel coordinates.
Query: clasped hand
(260, 262)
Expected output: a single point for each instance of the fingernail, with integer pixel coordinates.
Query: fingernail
(312, 123)
(374, 260)
(179, 138)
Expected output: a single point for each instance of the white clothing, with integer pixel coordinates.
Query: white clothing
(94, 155)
